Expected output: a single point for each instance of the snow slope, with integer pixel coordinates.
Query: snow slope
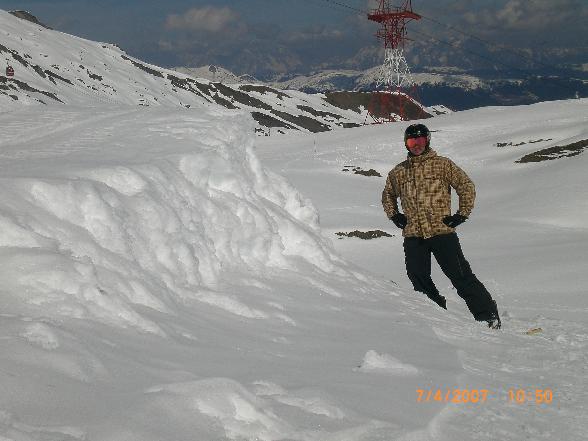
(217, 73)
(526, 240)
(158, 283)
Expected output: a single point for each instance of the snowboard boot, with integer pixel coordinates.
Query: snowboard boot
(494, 321)
(441, 301)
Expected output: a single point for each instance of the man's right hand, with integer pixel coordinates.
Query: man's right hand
(399, 220)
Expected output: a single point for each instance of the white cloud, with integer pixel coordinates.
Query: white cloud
(528, 15)
(315, 33)
(205, 19)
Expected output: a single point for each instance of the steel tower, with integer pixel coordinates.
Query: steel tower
(388, 103)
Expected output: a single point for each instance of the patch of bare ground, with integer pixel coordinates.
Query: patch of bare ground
(556, 152)
(359, 171)
(366, 235)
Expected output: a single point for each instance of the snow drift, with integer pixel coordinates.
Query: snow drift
(154, 272)
(158, 226)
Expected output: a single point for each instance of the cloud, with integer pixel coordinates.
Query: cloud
(528, 15)
(206, 19)
(260, 45)
(314, 34)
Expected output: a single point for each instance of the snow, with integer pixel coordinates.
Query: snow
(159, 281)
(385, 363)
(167, 275)
(155, 272)
(216, 73)
(526, 241)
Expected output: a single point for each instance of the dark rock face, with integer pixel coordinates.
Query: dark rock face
(25, 15)
(356, 100)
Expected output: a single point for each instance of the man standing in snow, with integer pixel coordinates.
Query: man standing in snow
(423, 183)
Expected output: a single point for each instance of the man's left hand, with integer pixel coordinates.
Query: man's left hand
(455, 220)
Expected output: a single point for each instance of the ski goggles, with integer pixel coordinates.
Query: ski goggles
(421, 141)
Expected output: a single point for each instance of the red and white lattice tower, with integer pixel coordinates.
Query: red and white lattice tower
(394, 82)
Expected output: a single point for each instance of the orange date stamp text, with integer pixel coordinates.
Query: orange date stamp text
(466, 395)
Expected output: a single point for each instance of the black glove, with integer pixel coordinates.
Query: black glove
(399, 220)
(455, 220)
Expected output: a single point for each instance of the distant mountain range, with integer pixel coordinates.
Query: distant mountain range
(454, 88)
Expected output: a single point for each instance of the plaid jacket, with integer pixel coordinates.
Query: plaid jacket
(423, 184)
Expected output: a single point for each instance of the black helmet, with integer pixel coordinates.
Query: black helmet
(416, 131)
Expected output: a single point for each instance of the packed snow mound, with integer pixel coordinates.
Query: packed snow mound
(385, 363)
(148, 219)
(159, 284)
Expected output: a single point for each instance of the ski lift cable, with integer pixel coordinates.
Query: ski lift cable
(343, 5)
(453, 45)
(490, 44)
(339, 7)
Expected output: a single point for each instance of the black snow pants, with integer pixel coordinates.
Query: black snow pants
(447, 251)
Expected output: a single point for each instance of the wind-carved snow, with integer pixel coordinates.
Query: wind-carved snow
(153, 268)
(41, 335)
(147, 247)
(167, 222)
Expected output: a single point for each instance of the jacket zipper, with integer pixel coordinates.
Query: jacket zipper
(416, 192)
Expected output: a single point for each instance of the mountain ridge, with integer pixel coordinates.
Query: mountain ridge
(51, 67)
(452, 87)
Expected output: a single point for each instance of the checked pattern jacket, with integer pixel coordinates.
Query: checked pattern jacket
(423, 184)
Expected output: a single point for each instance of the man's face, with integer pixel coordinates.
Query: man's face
(416, 146)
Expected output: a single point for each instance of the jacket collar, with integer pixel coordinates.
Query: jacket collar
(428, 154)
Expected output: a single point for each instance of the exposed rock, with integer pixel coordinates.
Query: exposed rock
(319, 113)
(269, 121)
(141, 66)
(556, 152)
(365, 235)
(25, 15)
(357, 100)
(263, 90)
(303, 121)
(360, 171)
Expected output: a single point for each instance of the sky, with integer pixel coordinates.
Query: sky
(268, 37)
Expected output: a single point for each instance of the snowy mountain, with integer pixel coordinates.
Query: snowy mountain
(355, 80)
(217, 74)
(446, 88)
(163, 280)
(55, 68)
(451, 87)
